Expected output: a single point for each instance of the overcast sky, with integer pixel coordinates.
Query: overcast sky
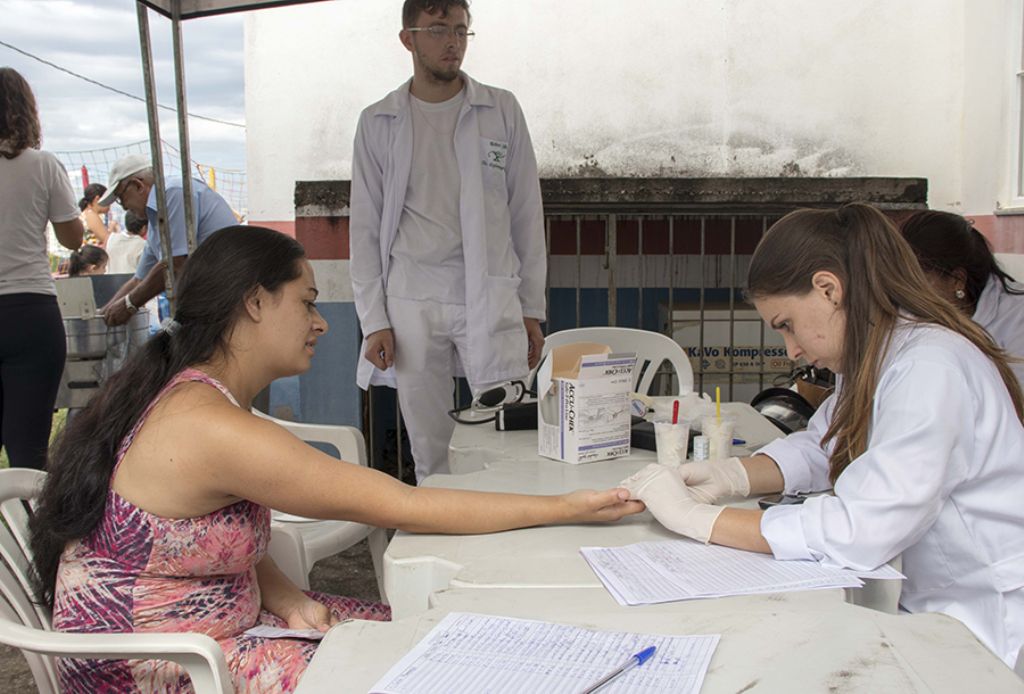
(99, 39)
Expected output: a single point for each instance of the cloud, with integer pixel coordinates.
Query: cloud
(99, 39)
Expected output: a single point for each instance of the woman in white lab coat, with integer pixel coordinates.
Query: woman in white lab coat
(921, 442)
(959, 263)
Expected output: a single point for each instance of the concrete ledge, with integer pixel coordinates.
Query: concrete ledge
(624, 195)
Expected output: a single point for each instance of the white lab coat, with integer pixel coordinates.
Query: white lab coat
(942, 481)
(502, 225)
(1002, 315)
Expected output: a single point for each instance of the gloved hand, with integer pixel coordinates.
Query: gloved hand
(712, 480)
(668, 499)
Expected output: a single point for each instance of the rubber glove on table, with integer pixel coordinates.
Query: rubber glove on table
(669, 500)
(710, 481)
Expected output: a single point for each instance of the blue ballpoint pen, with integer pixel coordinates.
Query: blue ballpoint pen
(634, 660)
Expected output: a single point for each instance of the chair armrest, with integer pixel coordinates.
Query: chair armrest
(200, 655)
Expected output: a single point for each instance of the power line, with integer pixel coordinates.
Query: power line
(114, 89)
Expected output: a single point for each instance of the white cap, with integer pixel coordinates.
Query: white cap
(124, 167)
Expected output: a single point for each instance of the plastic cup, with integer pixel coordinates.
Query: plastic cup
(719, 433)
(670, 440)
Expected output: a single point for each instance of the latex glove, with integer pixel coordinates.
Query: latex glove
(709, 481)
(668, 499)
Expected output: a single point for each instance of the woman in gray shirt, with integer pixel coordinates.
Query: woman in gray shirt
(34, 190)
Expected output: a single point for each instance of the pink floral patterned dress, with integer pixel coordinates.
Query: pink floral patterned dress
(138, 572)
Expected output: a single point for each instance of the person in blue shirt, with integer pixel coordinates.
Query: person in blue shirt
(132, 186)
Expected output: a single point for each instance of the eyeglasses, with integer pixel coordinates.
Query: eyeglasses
(440, 32)
(118, 197)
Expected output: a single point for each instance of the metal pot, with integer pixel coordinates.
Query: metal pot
(784, 408)
(90, 338)
(86, 338)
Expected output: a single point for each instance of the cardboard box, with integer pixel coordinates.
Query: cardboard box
(583, 403)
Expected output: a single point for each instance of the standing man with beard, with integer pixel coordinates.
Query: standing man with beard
(447, 233)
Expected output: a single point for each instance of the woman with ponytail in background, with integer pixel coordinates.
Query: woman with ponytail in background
(921, 442)
(97, 231)
(959, 263)
(155, 512)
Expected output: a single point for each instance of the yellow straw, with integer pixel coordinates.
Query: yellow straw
(718, 404)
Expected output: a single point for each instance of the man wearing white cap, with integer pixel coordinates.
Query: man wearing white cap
(131, 185)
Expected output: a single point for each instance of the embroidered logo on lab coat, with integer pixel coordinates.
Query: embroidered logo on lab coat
(495, 154)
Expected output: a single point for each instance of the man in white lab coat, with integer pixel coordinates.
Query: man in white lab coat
(448, 259)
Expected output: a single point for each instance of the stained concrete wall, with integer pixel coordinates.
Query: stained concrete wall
(662, 88)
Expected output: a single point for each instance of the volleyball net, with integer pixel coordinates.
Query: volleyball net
(93, 166)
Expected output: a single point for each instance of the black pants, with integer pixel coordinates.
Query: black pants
(32, 351)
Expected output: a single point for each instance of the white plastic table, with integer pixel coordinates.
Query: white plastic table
(417, 565)
(805, 642)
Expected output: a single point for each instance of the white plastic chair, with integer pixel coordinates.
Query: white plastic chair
(297, 543)
(26, 625)
(652, 349)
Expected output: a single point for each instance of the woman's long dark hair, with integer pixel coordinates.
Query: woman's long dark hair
(217, 278)
(945, 242)
(882, 283)
(19, 117)
(84, 256)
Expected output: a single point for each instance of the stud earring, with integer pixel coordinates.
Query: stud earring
(959, 293)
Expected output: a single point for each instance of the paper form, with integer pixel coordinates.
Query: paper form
(654, 572)
(472, 653)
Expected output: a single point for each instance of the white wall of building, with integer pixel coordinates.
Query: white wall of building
(667, 88)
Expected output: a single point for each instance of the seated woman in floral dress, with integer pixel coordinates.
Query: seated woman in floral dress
(154, 517)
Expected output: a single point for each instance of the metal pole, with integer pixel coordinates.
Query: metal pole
(760, 381)
(610, 254)
(156, 152)
(703, 285)
(671, 277)
(183, 139)
(672, 287)
(643, 273)
(547, 280)
(732, 307)
(579, 272)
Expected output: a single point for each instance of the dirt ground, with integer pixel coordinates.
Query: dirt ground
(349, 573)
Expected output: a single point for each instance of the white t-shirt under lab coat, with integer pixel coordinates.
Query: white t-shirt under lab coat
(942, 482)
(426, 257)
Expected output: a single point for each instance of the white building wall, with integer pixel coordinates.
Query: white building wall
(662, 87)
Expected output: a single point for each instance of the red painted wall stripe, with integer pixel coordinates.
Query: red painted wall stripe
(324, 238)
(1004, 232)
